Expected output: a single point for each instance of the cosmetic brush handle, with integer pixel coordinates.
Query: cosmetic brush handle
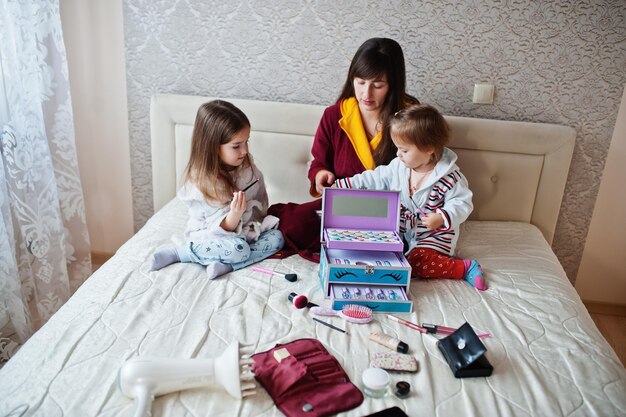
(264, 270)
(324, 311)
(288, 276)
(330, 325)
(250, 185)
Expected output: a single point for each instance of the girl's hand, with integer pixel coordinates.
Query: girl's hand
(432, 221)
(323, 178)
(238, 205)
(237, 208)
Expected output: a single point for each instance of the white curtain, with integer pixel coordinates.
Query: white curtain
(44, 244)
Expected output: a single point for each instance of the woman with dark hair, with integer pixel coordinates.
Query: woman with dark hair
(351, 136)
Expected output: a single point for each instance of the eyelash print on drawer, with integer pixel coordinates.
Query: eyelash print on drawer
(397, 277)
(341, 274)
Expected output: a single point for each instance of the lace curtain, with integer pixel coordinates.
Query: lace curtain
(44, 244)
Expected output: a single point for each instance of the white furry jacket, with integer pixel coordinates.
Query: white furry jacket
(205, 216)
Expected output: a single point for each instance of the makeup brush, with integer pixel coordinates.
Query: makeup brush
(300, 301)
(250, 185)
(288, 277)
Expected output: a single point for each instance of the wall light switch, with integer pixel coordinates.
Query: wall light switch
(483, 93)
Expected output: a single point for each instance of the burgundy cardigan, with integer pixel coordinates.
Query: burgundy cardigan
(332, 149)
(299, 223)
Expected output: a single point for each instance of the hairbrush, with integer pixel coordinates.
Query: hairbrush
(350, 312)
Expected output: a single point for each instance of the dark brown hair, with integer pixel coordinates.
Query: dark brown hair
(216, 123)
(374, 58)
(423, 126)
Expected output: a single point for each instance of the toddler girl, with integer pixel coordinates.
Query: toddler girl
(435, 197)
(228, 228)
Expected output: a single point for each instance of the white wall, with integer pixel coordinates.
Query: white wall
(602, 273)
(94, 40)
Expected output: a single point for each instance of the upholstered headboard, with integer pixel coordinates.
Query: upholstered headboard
(517, 170)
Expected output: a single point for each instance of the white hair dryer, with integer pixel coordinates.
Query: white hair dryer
(145, 378)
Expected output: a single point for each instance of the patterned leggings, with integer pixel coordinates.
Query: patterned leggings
(428, 263)
(232, 250)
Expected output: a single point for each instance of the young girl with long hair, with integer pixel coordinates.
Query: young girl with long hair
(435, 196)
(228, 227)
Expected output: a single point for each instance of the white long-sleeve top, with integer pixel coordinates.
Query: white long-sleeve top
(205, 216)
(445, 191)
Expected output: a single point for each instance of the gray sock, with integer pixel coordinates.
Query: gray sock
(164, 257)
(217, 269)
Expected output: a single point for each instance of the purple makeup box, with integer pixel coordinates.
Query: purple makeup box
(361, 258)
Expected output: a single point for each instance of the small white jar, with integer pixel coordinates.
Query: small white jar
(375, 382)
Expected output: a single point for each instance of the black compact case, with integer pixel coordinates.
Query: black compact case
(465, 353)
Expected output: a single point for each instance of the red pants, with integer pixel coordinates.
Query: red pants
(428, 263)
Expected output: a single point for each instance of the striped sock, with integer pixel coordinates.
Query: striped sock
(474, 274)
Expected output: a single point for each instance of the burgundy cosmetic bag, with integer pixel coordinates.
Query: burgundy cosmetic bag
(304, 380)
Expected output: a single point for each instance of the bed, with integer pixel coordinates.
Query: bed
(549, 358)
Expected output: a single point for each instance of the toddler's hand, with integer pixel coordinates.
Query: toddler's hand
(432, 221)
(323, 179)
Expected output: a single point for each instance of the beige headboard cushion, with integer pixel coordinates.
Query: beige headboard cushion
(517, 170)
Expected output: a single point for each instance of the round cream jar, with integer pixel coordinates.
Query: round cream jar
(375, 382)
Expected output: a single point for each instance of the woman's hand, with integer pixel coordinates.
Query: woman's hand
(237, 208)
(323, 178)
(432, 221)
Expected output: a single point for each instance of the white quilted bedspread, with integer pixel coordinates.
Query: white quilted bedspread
(549, 358)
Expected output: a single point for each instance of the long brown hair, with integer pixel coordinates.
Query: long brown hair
(216, 123)
(423, 126)
(374, 58)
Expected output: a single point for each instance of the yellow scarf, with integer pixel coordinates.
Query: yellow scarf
(352, 124)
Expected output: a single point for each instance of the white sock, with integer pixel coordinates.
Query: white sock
(217, 269)
(164, 257)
